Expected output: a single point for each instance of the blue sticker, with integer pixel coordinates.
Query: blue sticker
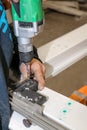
(3, 20)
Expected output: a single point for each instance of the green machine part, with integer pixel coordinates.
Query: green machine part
(30, 11)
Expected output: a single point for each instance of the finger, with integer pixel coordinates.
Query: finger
(23, 70)
(39, 76)
(43, 70)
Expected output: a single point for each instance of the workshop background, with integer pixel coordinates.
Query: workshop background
(58, 23)
(61, 18)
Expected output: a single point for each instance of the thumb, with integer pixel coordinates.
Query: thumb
(23, 70)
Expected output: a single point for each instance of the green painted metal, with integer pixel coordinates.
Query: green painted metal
(30, 11)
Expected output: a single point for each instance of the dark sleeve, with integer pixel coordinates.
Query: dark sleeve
(36, 54)
(6, 43)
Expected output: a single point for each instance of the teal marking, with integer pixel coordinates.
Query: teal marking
(64, 111)
(69, 103)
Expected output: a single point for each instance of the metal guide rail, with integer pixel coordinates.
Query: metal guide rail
(26, 100)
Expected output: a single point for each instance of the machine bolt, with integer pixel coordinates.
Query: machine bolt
(27, 123)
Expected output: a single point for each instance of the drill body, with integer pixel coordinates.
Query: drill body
(28, 21)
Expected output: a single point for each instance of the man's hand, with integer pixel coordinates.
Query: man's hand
(38, 69)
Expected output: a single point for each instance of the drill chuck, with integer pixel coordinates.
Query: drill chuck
(26, 57)
(25, 49)
(24, 44)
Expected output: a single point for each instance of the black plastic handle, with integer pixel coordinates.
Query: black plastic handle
(17, 7)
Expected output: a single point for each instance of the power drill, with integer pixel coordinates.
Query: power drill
(28, 21)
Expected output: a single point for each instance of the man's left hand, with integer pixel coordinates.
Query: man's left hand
(38, 69)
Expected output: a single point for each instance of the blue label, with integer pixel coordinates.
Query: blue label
(3, 20)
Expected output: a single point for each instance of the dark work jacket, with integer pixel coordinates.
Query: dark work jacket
(6, 43)
(6, 51)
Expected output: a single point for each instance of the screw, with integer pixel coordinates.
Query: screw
(27, 123)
